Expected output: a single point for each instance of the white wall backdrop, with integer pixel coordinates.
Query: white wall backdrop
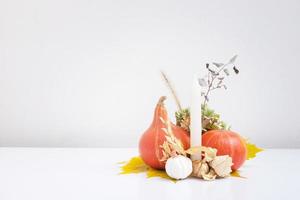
(86, 72)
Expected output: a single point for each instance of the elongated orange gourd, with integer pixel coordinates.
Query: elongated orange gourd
(154, 137)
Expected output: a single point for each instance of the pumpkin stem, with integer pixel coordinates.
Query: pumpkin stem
(161, 100)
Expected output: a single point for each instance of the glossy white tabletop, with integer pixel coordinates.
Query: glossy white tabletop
(92, 173)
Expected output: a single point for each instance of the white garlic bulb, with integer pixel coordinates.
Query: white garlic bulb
(179, 167)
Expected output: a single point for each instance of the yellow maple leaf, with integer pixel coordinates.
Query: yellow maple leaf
(236, 173)
(133, 166)
(252, 150)
(136, 165)
(159, 173)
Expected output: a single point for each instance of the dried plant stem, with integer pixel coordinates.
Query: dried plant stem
(213, 77)
(171, 88)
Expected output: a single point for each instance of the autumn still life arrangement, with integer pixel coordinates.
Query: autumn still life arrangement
(199, 144)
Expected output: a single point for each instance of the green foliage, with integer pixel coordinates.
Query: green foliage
(210, 119)
(183, 119)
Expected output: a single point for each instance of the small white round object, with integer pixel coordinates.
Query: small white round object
(179, 167)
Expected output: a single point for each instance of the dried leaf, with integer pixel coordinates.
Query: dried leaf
(211, 175)
(172, 146)
(194, 150)
(222, 165)
(213, 72)
(209, 153)
(218, 64)
(136, 165)
(166, 149)
(226, 72)
(232, 60)
(202, 82)
(170, 140)
(219, 83)
(210, 166)
(252, 150)
(235, 70)
(165, 130)
(162, 120)
(200, 168)
(206, 122)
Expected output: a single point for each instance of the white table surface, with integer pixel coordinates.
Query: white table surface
(92, 173)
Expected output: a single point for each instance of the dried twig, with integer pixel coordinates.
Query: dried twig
(171, 88)
(216, 76)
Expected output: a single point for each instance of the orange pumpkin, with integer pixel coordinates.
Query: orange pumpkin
(154, 137)
(227, 143)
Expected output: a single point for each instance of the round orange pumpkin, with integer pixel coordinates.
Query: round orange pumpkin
(152, 139)
(227, 143)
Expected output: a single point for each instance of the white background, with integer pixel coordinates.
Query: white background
(86, 73)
